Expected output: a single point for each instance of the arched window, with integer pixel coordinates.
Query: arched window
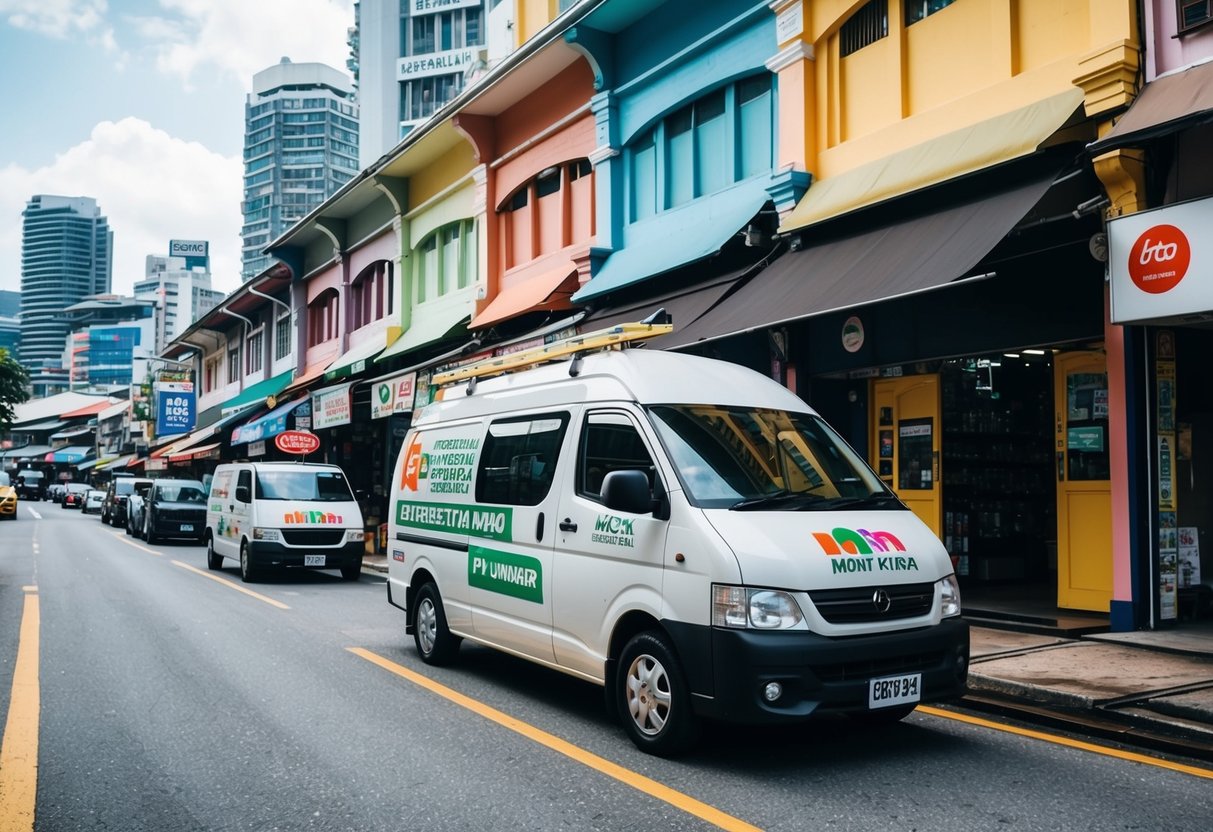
(323, 323)
(371, 293)
(703, 147)
(548, 212)
(444, 261)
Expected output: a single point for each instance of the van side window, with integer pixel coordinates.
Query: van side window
(609, 442)
(245, 480)
(519, 459)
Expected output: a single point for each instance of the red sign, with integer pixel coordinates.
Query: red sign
(1159, 259)
(297, 442)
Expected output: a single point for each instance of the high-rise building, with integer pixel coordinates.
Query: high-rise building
(66, 253)
(300, 147)
(180, 283)
(411, 58)
(110, 341)
(10, 323)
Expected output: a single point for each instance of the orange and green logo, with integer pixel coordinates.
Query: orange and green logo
(860, 550)
(412, 466)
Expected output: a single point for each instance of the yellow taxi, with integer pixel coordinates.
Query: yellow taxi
(8, 497)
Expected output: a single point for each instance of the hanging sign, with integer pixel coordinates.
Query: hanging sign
(393, 395)
(300, 442)
(331, 407)
(852, 334)
(175, 411)
(1160, 263)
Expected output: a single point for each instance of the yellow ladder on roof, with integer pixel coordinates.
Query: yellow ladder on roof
(600, 339)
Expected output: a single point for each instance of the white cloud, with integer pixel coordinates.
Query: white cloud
(239, 38)
(57, 18)
(151, 186)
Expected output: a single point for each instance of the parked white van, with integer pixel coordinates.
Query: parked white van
(278, 514)
(683, 531)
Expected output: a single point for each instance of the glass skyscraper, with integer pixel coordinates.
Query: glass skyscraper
(66, 255)
(300, 147)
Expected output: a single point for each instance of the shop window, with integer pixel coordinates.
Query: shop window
(519, 459)
(1192, 14)
(610, 442)
(549, 212)
(702, 148)
(868, 25)
(322, 321)
(917, 10)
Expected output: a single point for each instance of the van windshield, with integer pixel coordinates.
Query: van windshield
(770, 460)
(318, 486)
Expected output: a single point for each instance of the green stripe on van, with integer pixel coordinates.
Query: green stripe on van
(506, 573)
(475, 521)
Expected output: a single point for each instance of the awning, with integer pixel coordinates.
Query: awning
(313, 372)
(271, 424)
(428, 327)
(28, 452)
(115, 410)
(115, 463)
(356, 359)
(684, 307)
(927, 252)
(190, 440)
(258, 392)
(196, 453)
(70, 433)
(94, 463)
(75, 453)
(90, 410)
(675, 238)
(1166, 105)
(53, 424)
(549, 290)
(136, 462)
(973, 148)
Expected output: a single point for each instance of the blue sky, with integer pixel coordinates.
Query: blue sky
(140, 104)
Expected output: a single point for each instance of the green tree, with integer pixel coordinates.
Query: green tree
(13, 381)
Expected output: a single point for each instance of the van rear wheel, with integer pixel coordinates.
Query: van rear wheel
(435, 643)
(653, 698)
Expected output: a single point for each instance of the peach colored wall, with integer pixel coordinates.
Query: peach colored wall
(573, 142)
(383, 247)
(330, 278)
(570, 89)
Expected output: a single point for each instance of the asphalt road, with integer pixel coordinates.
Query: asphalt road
(170, 700)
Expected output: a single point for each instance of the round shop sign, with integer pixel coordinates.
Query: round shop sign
(297, 442)
(852, 334)
(1159, 259)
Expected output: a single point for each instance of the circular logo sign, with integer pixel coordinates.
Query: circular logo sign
(297, 442)
(1159, 259)
(852, 334)
(385, 393)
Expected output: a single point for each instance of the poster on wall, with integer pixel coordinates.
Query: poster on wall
(1168, 564)
(1189, 557)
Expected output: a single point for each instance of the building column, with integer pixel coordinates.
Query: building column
(794, 65)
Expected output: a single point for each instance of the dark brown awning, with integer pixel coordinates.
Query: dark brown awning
(926, 252)
(1165, 106)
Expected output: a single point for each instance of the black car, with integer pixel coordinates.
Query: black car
(174, 508)
(113, 507)
(31, 484)
(73, 495)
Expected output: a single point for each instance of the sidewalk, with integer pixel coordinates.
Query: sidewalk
(1151, 688)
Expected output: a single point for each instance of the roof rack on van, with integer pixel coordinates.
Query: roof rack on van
(612, 337)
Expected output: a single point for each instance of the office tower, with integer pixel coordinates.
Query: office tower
(10, 323)
(66, 253)
(300, 147)
(412, 57)
(180, 283)
(110, 341)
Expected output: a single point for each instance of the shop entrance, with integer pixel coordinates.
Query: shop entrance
(906, 443)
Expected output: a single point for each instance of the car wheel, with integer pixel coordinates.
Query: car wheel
(149, 535)
(882, 716)
(653, 698)
(435, 643)
(352, 572)
(213, 560)
(248, 572)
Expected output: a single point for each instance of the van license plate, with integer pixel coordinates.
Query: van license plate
(313, 560)
(894, 690)
(187, 527)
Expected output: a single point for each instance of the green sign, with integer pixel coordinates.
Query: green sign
(1085, 439)
(505, 573)
(475, 521)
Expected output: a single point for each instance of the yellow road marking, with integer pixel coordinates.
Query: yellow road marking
(19, 747)
(122, 539)
(1131, 756)
(230, 585)
(639, 782)
(29, 588)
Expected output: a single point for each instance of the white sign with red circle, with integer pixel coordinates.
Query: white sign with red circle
(300, 442)
(1161, 264)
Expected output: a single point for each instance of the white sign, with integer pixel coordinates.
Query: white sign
(393, 395)
(450, 62)
(187, 248)
(1161, 263)
(420, 7)
(156, 464)
(789, 23)
(331, 407)
(256, 448)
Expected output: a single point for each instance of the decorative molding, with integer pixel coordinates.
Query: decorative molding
(601, 154)
(1123, 175)
(1109, 76)
(796, 51)
(787, 187)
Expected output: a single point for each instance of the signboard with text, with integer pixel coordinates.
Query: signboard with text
(176, 410)
(1160, 263)
(331, 407)
(195, 252)
(393, 395)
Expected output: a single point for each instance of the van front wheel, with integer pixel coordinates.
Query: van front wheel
(248, 572)
(213, 560)
(435, 643)
(653, 698)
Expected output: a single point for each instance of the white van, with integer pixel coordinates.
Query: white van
(276, 514)
(683, 531)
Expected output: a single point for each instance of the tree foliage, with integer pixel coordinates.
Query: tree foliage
(14, 380)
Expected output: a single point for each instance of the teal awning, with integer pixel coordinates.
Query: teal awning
(677, 237)
(74, 453)
(258, 392)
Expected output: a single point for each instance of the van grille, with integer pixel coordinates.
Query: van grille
(855, 605)
(872, 668)
(313, 537)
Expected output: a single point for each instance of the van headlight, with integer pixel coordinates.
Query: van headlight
(354, 535)
(740, 607)
(948, 590)
(267, 534)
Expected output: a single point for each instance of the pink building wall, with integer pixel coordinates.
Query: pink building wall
(1164, 51)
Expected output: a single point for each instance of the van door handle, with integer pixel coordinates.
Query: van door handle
(539, 527)
(567, 525)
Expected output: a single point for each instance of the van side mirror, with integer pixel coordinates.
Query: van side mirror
(627, 491)
(242, 494)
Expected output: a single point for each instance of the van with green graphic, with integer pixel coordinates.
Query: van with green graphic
(682, 531)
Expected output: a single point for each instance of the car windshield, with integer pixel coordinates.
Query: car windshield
(181, 492)
(30, 476)
(124, 486)
(4, 479)
(320, 486)
(744, 458)
(77, 488)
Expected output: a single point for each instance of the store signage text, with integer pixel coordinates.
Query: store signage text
(451, 62)
(420, 7)
(1160, 263)
(297, 442)
(393, 395)
(331, 407)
